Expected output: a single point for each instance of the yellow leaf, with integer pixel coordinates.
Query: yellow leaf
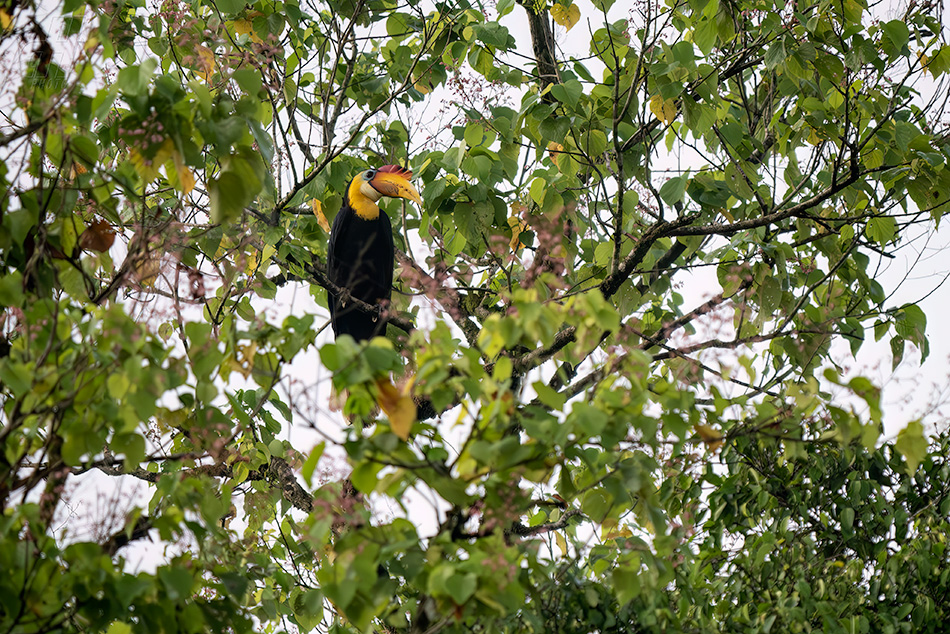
(317, 207)
(554, 148)
(398, 407)
(663, 109)
(246, 27)
(145, 269)
(205, 63)
(423, 81)
(258, 258)
(561, 542)
(5, 19)
(246, 360)
(517, 226)
(565, 16)
(148, 168)
(611, 529)
(185, 178)
(463, 413)
(709, 436)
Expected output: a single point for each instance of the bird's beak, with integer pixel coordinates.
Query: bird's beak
(393, 181)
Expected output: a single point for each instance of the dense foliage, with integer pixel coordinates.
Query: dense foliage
(612, 385)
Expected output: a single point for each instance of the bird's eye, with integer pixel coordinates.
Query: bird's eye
(369, 174)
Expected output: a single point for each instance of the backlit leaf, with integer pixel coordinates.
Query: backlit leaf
(565, 16)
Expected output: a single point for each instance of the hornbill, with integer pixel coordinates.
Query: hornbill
(360, 257)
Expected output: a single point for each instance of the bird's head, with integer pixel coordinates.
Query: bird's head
(372, 184)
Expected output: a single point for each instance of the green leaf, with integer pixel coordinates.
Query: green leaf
(312, 459)
(568, 93)
(847, 520)
(11, 289)
(504, 7)
(134, 80)
(178, 582)
(776, 54)
(882, 229)
(308, 608)
(912, 445)
(248, 79)
(230, 7)
(549, 396)
(461, 587)
(131, 447)
(911, 322)
(365, 476)
(672, 190)
(588, 418)
(16, 376)
(897, 32)
(119, 627)
(229, 196)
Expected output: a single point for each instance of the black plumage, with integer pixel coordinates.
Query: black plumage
(360, 260)
(361, 253)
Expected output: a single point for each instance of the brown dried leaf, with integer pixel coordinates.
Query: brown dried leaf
(98, 236)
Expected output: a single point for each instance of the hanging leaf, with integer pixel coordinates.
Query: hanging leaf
(317, 208)
(517, 226)
(205, 63)
(912, 444)
(184, 179)
(398, 407)
(98, 236)
(709, 435)
(565, 16)
(663, 109)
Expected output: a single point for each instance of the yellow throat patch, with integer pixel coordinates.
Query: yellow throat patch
(359, 196)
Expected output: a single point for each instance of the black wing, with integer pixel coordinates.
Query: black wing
(335, 272)
(387, 249)
(360, 258)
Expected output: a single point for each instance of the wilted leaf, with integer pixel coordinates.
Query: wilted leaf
(709, 435)
(76, 169)
(148, 167)
(146, 267)
(317, 207)
(398, 407)
(185, 178)
(517, 226)
(663, 109)
(205, 63)
(98, 236)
